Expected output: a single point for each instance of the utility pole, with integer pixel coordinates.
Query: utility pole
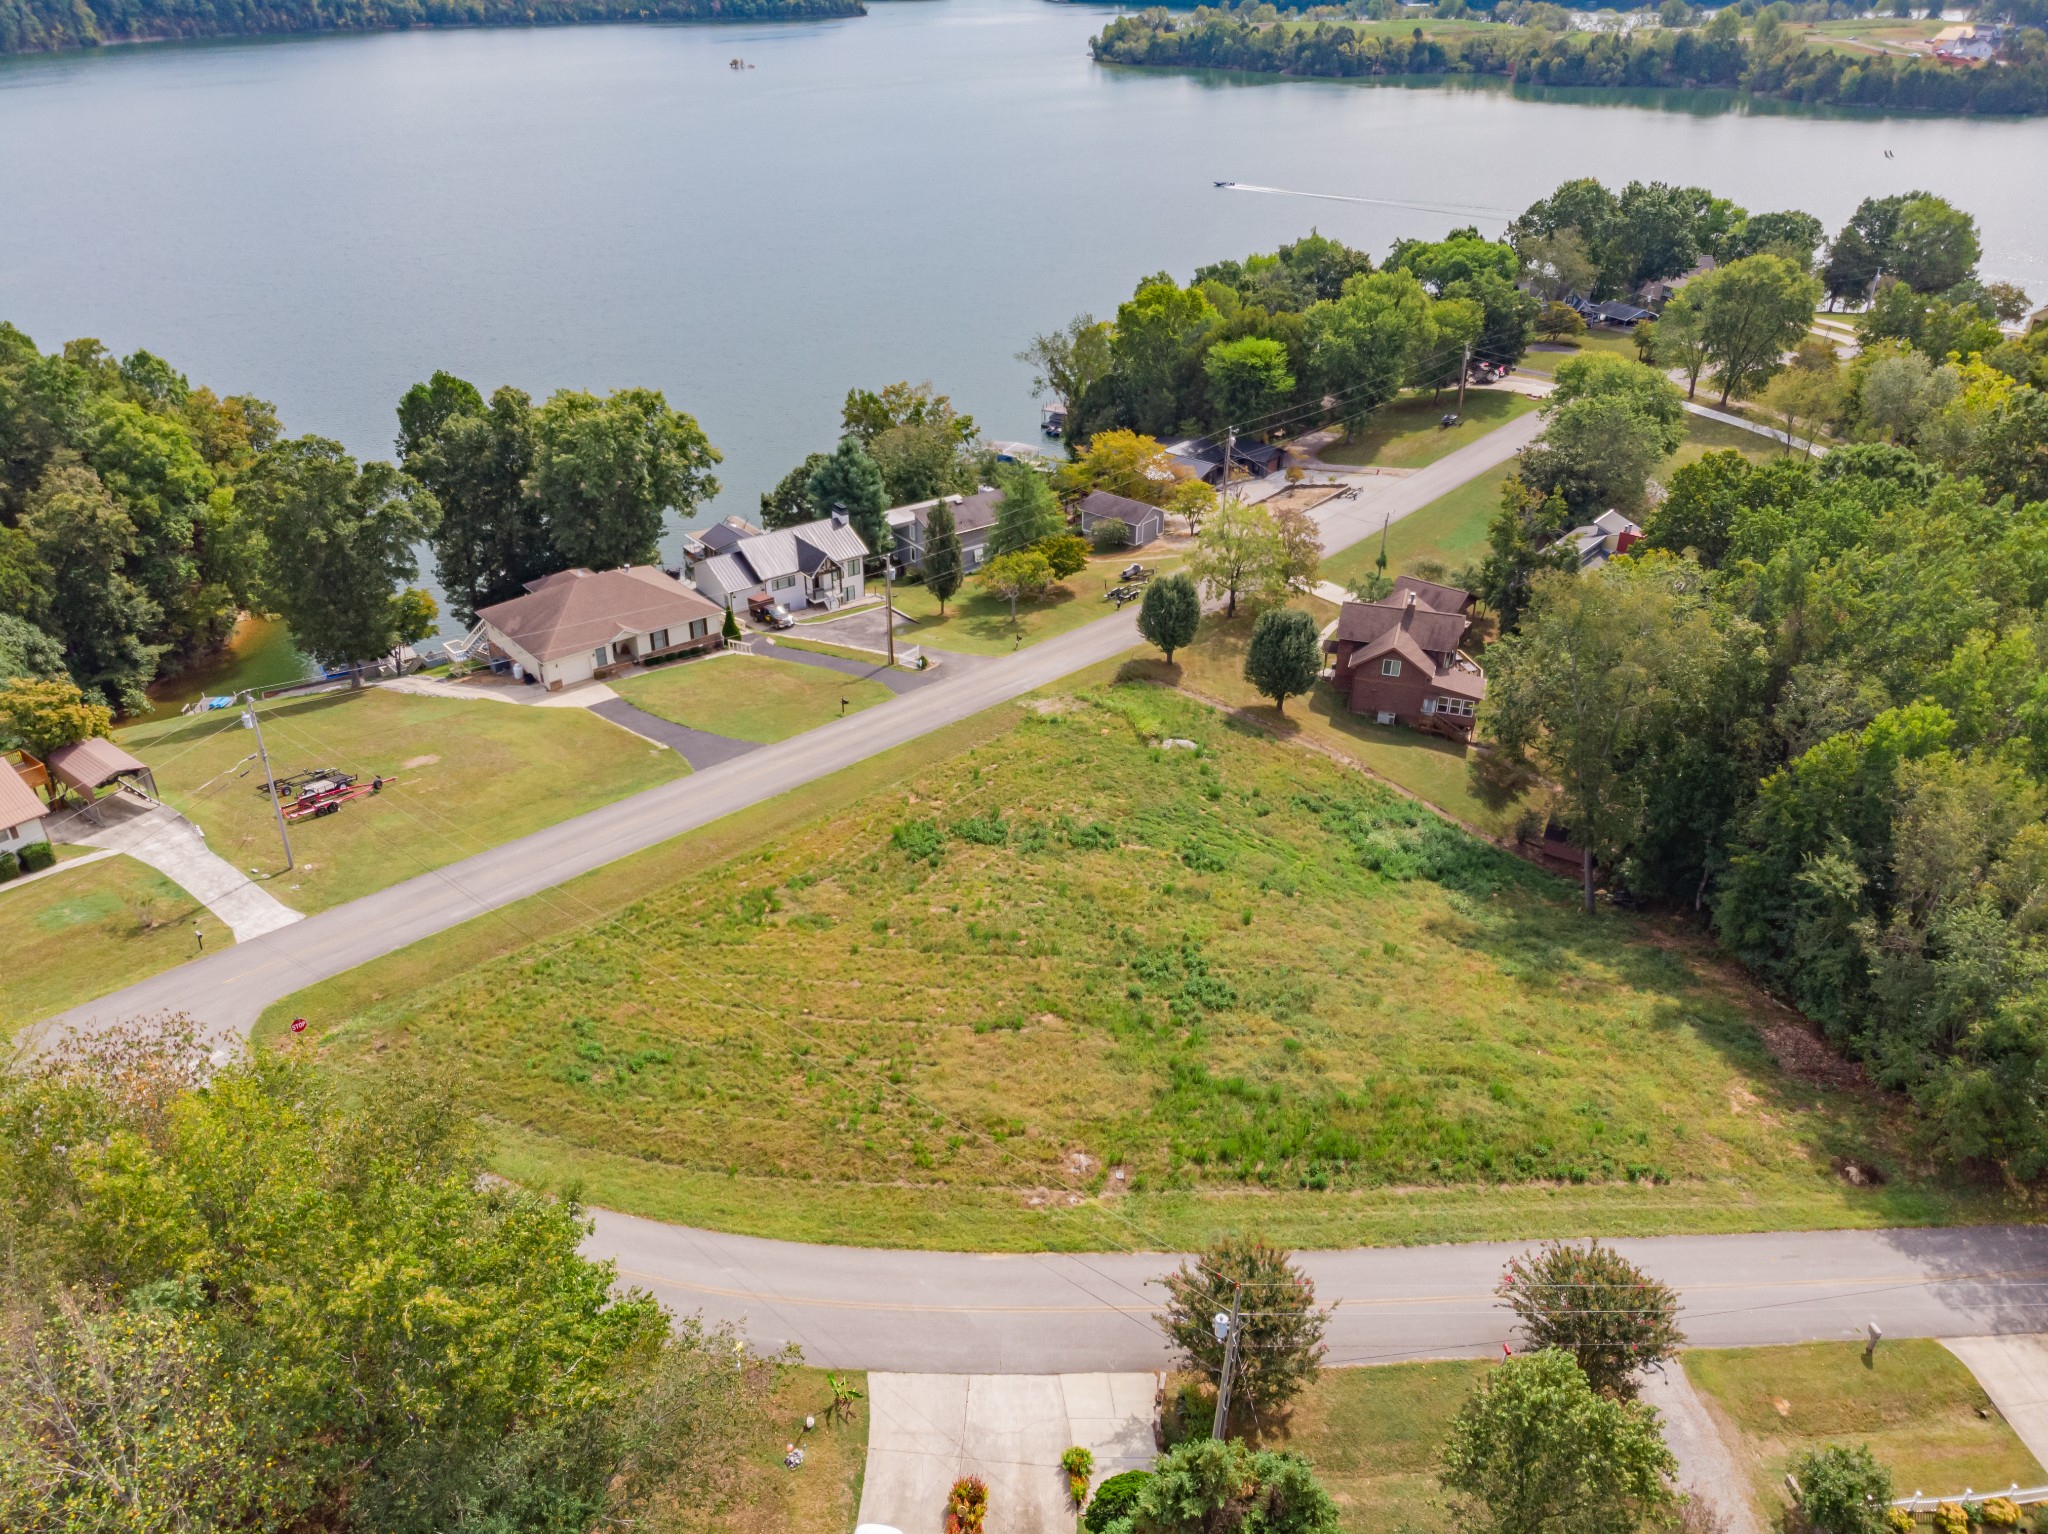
(889, 604)
(250, 721)
(1227, 1332)
(1464, 368)
(1229, 456)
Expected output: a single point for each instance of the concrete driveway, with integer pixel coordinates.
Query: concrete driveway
(925, 1431)
(2014, 1373)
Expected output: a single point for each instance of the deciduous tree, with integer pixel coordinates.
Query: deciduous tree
(490, 533)
(1596, 1305)
(1751, 312)
(1125, 463)
(1021, 576)
(608, 471)
(1171, 614)
(40, 714)
(1248, 380)
(81, 541)
(1285, 656)
(1280, 1344)
(789, 504)
(1241, 557)
(1843, 1490)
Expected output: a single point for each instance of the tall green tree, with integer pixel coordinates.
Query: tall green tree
(1027, 513)
(849, 481)
(1070, 363)
(1535, 1450)
(1608, 425)
(1021, 576)
(1241, 557)
(1156, 352)
(1752, 312)
(1171, 614)
(26, 651)
(476, 460)
(608, 471)
(1364, 345)
(40, 715)
(1248, 380)
(944, 564)
(85, 541)
(341, 542)
(1280, 1344)
(1285, 656)
(789, 504)
(1933, 246)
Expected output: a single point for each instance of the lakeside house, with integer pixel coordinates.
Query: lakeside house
(974, 519)
(1601, 539)
(1102, 511)
(1202, 458)
(576, 625)
(719, 538)
(1398, 660)
(818, 564)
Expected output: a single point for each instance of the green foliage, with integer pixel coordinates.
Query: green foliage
(249, 1302)
(608, 471)
(919, 840)
(1280, 1344)
(37, 856)
(32, 26)
(1596, 1305)
(1241, 557)
(1285, 656)
(1027, 514)
(729, 630)
(1024, 576)
(1079, 1465)
(1171, 613)
(789, 504)
(1248, 379)
(1607, 426)
(944, 563)
(40, 716)
(1115, 1500)
(1843, 1490)
(1714, 55)
(1204, 1485)
(1065, 554)
(850, 481)
(1536, 1449)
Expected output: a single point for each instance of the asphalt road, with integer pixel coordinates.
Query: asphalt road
(1048, 1313)
(227, 991)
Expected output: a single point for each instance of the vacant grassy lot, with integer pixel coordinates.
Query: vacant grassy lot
(1427, 766)
(470, 775)
(940, 1012)
(821, 1496)
(1405, 433)
(1541, 359)
(1374, 1434)
(1450, 531)
(978, 624)
(1918, 1409)
(89, 931)
(748, 697)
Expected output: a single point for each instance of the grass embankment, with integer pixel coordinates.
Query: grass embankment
(86, 932)
(1920, 1410)
(748, 697)
(876, 658)
(937, 1013)
(979, 624)
(470, 775)
(1427, 766)
(1407, 434)
(822, 1495)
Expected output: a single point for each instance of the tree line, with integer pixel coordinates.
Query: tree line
(36, 26)
(141, 514)
(1812, 703)
(1770, 60)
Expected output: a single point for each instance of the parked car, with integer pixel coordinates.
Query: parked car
(779, 617)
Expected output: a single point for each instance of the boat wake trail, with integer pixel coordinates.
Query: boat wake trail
(1455, 210)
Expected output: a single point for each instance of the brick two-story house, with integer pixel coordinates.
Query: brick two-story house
(1398, 660)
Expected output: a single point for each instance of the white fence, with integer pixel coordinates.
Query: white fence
(1920, 1503)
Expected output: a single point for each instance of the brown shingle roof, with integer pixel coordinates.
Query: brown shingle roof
(575, 610)
(18, 802)
(1365, 622)
(1445, 599)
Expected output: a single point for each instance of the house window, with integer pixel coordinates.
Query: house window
(1461, 707)
(1391, 666)
(658, 640)
(851, 567)
(782, 583)
(699, 627)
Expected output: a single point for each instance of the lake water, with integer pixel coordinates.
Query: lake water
(910, 194)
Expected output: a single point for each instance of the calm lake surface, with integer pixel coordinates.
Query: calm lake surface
(910, 194)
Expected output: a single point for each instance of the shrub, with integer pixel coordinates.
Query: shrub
(985, 830)
(1845, 1491)
(2001, 1512)
(1951, 1518)
(1597, 1306)
(919, 840)
(1114, 1499)
(1109, 537)
(37, 856)
(1205, 1485)
(967, 1505)
(1079, 1465)
(731, 628)
(10, 865)
(1900, 1520)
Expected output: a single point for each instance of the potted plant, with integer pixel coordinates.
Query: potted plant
(1079, 1465)
(967, 1505)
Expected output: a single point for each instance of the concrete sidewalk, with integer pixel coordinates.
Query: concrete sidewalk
(925, 1431)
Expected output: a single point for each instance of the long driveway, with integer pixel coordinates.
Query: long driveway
(1049, 1313)
(228, 991)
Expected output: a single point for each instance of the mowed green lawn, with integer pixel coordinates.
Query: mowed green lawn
(1544, 361)
(1450, 531)
(1428, 766)
(87, 932)
(938, 1012)
(1920, 1410)
(470, 774)
(978, 624)
(750, 698)
(1375, 1435)
(1407, 433)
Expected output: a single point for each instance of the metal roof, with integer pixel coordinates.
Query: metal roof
(91, 764)
(18, 802)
